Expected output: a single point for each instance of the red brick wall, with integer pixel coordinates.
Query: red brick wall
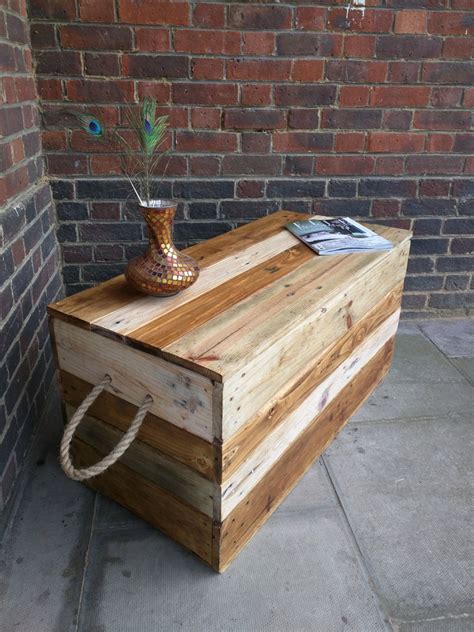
(29, 262)
(301, 105)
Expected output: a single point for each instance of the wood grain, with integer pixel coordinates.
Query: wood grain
(273, 446)
(250, 436)
(183, 523)
(230, 537)
(171, 475)
(157, 433)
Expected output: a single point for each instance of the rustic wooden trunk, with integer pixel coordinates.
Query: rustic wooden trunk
(253, 371)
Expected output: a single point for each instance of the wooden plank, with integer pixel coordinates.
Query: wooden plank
(170, 327)
(114, 295)
(135, 314)
(176, 443)
(262, 501)
(270, 450)
(250, 436)
(253, 344)
(171, 475)
(180, 521)
(181, 397)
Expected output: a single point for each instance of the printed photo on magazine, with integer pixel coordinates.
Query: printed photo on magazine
(337, 235)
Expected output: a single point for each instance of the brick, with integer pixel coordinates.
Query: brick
(303, 118)
(307, 70)
(207, 68)
(403, 72)
(413, 301)
(96, 37)
(458, 48)
(250, 188)
(103, 190)
(77, 254)
(107, 64)
(311, 18)
(400, 96)
(246, 209)
(386, 208)
(205, 118)
(463, 246)
(344, 165)
(448, 72)
(359, 46)
(53, 9)
(195, 41)
(154, 12)
(105, 211)
(203, 189)
(367, 21)
(420, 283)
(258, 43)
(434, 188)
(439, 142)
(309, 95)
(206, 141)
(442, 120)
(204, 165)
(410, 21)
(258, 119)
(160, 90)
(356, 71)
(309, 44)
(446, 97)
(256, 143)
(93, 11)
(388, 165)
(469, 165)
(450, 23)
(351, 119)
(11, 121)
(202, 210)
(408, 47)
(396, 119)
(352, 208)
(455, 264)
(251, 165)
(62, 189)
(428, 246)
(420, 265)
(415, 207)
(49, 89)
(463, 188)
(302, 142)
(342, 189)
(259, 17)
(7, 57)
(153, 65)
(205, 93)
(298, 166)
(209, 15)
(105, 164)
(155, 40)
(427, 227)
(255, 94)
(395, 142)
(295, 188)
(457, 282)
(459, 226)
(43, 35)
(451, 301)
(350, 141)
(387, 188)
(354, 96)
(58, 63)
(261, 70)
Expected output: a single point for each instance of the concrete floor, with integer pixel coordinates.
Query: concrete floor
(375, 537)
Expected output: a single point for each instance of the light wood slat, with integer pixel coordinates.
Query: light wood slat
(155, 432)
(265, 340)
(171, 475)
(112, 296)
(139, 312)
(170, 327)
(261, 460)
(179, 396)
(183, 523)
(249, 516)
(249, 437)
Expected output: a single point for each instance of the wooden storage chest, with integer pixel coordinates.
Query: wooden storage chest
(253, 371)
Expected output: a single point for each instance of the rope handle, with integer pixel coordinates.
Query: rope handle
(124, 443)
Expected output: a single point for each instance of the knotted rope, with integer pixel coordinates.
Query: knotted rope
(88, 472)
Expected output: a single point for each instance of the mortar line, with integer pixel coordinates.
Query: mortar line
(86, 565)
(363, 563)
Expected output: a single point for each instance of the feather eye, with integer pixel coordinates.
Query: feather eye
(91, 125)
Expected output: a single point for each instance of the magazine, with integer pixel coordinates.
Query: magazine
(337, 236)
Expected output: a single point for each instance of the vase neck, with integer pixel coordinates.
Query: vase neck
(160, 228)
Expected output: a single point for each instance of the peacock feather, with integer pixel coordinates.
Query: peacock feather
(91, 124)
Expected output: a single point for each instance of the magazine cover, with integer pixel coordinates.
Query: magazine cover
(338, 235)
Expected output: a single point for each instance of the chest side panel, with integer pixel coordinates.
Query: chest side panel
(180, 396)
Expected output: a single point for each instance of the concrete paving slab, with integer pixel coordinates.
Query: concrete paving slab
(314, 491)
(466, 366)
(455, 338)
(414, 400)
(445, 624)
(404, 486)
(44, 555)
(416, 359)
(110, 515)
(300, 573)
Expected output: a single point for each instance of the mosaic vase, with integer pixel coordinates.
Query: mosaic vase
(162, 270)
